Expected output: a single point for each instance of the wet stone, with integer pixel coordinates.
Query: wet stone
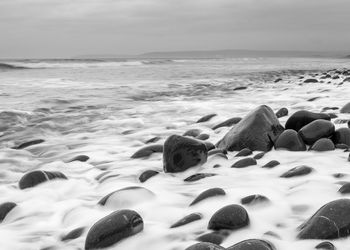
(196, 177)
(345, 189)
(303, 117)
(244, 152)
(81, 158)
(148, 151)
(187, 219)
(74, 234)
(192, 132)
(325, 245)
(259, 156)
(282, 112)
(231, 217)
(29, 143)
(36, 177)
(271, 164)
(206, 118)
(254, 199)
(5, 208)
(297, 171)
(228, 123)
(252, 244)
(147, 174)
(246, 162)
(212, 192)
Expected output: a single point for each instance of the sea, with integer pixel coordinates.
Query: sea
(107, 109)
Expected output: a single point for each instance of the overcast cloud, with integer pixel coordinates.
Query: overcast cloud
(66, 28)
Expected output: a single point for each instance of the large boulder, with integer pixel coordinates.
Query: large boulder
(252, 244)
(290, 140)
(303, 117)
(316, 130)
(257, 131)
(181, 153)
(331, 221)
(113, 228)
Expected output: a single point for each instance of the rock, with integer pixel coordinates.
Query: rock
(246, 162)
(271, 164)
(282, 112)
(257, 131)
(36, 177)
(229, 217)
(153, 140)
(147, 174)
(277, 80)
(196, 177)
(209, 145)
(187, 219)
(290, 140)
(310, 80)
(316, 130)
(301, 118)
(205, 246)
(297, 171)
(244, 152)
(147, 151)
(192, 132)
(82, 158)
(181, 153)
(331, 221)
(203, 137)
(252, 244)
(206, 118)
(217, 151)
(5, 208)
(228, 123)
(342, 146)
(74, 234)
(212, 192)
(345, 189)
(29, 143)
(325, 245)
(126, 197)
(240, 88)
(348, 124)
(323, 144)
(220, 155)
(215, 237)
(113, 228)
(345, 109)
(259, 156)
(254, 199)
(341, 136)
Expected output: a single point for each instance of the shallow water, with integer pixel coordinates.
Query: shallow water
(107, 110)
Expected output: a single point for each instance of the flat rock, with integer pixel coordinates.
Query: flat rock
(246, 162)
(147, 151)
(297, 171)
(231, 217)
(271, 164)
(29, 143)
(254, 199)
(212, 192)
(199, 176)
(244, 152)
(74, 234)
(187, 219)
(259, 156)
(206, 118)
(310, 80)
(81, 158)
(193, 132)
(303, 117)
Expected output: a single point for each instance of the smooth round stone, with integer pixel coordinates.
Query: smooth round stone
(147, 174)
(126, 197)
(290, 140)
(310, 80)
(325, 245)
(259, 156)
(74, 234)
(316, 130)
(204, 246)
(181, 153)
(297, 171)
(212, 192)
(229, 217)
(187, 219)
(206, 118)
(282, 112)
(246, 162)
(5, 208)
(147, 151)
(203, 137)
(331, 221)
(342, 136)
(216, 237)
(36, 177)
(271, 164)
(254, 199)
(192, 132)
(323, 144)
(252, 244)
(244, 152)
(196, 177)
(228, 123)
(113, 228)
(345, 189)
(345, 109)
(301, 118)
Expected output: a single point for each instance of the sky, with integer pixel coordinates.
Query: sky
(68, 28)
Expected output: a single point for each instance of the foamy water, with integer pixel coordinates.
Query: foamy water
(108, 110)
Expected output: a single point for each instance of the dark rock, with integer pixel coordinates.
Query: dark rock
(203, 137)
(181, 153)
(113, 228)
(193, 132)
(345, 109)
(187, 219)
(205, 246)
(244, 152)
(282, 112)
(259, 156)
(277, 80)
(82, 158)
(209, 145)
(310, 80)
(331, 221)
(257, 131)
(332, 115)
(342, 121)
(345, 189)
(206, 118)
(215, 237)
(153, 139)
(323, 144)
(229, 217)
(313, 99)
(271, 164)
(36, 177)
(341, 146)
(240, 88)
(246, 162)
(74, 234)
(216, 166)
(217, 151)
(254, 199)
(339, 175)
(301, 118)
(329, 108)
(335, 77)
(147, 174)
(297, 171)
(196, 177)
(212, 192)
(5, 208)
(252, 244)
(221, 155)
(316, 130)
(341, 136)
(228, 123)
(326, 245)
(29, 143)
(147, 151)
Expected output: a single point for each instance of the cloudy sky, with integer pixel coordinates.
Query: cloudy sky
(66, 28)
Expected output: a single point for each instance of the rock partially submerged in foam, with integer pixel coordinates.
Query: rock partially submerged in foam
(5, 208)
(212, 192)
(345, 109)
(187, 219)
(228, 123)
(36, 177)
(205, 246)
(147, 151)
(257, 131)
(231, 217)
(323, 144)
(316, 130)
(303, 117)
(29, 143)
(206, 118)
(252, 244)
